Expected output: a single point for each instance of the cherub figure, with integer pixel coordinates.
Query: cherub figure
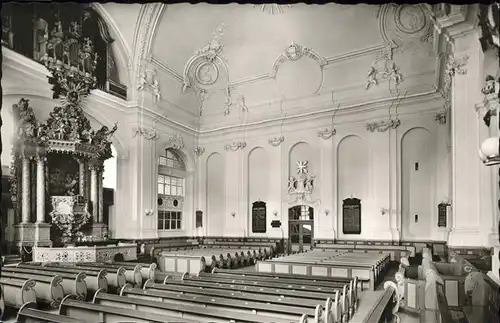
(372, 77)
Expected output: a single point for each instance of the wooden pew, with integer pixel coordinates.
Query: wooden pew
(190, 312)
(29, 313)
(342, 297)
(323, 280)
(292, 279)
(71, 283)
(115, 277)
(396, 252)
(297, 285)
(95, 279)
(282, 310)
(381, 308)
(16, 292)
(185, 263)
(196, 260)
(148, 271)
(263, 282)
(328, 270)
(133, 274)
(47, 289)
(100, 313)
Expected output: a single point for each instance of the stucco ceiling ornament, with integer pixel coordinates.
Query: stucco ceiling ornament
(276, 141)
(148, 134)
(207, 70)
(384, 68)
(148, 18)
(295, 52)
(149, 81)
(176, 141)
(383, 126)
(272, 8)
(198, 151)
(407, 27)
(235, 146)
(452, 66)
(240, 102)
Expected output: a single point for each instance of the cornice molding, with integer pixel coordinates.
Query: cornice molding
(269, 76)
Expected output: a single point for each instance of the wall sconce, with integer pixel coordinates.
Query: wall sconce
(384, 210)
(327, 212)
(275, 213)
(233, 214)
(149, 212)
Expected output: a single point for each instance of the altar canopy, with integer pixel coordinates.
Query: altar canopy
(57, 165)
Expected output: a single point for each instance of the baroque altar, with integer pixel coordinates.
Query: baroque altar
(57, 165)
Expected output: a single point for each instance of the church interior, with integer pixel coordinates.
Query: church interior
(250, 163)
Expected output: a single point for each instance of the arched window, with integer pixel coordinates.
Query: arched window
(171, 183)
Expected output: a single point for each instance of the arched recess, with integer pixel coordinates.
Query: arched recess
(301, 151)
(352, 180)
(171, 190)
(119, 47)
(418, 168)
(258, 182)
(215, 217)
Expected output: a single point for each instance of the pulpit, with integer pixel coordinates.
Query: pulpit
(57, 165)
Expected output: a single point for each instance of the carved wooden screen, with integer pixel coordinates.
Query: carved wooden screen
(259, 217)
(351, 216)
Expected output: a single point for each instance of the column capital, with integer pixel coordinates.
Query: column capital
(40, 158)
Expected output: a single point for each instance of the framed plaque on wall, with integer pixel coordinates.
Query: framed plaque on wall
(259, 222)
(199, 219)
(351, 216)
(442, 215)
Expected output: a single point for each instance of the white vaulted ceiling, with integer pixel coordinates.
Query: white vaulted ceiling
(345, 41)
(254, 39)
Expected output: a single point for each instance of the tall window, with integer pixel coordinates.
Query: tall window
(171, 174)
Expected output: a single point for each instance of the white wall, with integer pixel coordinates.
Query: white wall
(371, 166)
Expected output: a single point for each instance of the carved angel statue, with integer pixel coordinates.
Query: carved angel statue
(142, 81)
(394, 74)
(309, 183)
(292, 183)
(372, 77)
(156, 89)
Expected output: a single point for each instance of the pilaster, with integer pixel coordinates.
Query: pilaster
(325, 217)
(232, 216)
(143, 179)
(466, 70)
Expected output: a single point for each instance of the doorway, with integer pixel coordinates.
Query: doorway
(300, 228)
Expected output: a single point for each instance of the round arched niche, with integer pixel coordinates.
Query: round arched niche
(299, 152)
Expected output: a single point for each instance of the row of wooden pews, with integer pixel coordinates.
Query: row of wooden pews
(369, 267)
(205, 259)
(222, 296)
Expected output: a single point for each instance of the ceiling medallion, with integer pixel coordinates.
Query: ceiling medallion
(207, 73)
(272, 8)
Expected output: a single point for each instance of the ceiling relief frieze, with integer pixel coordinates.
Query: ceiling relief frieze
(147, 22)
(383, 67)
(407, 28)
(206, 72)
(272, 8)
(295, 53)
